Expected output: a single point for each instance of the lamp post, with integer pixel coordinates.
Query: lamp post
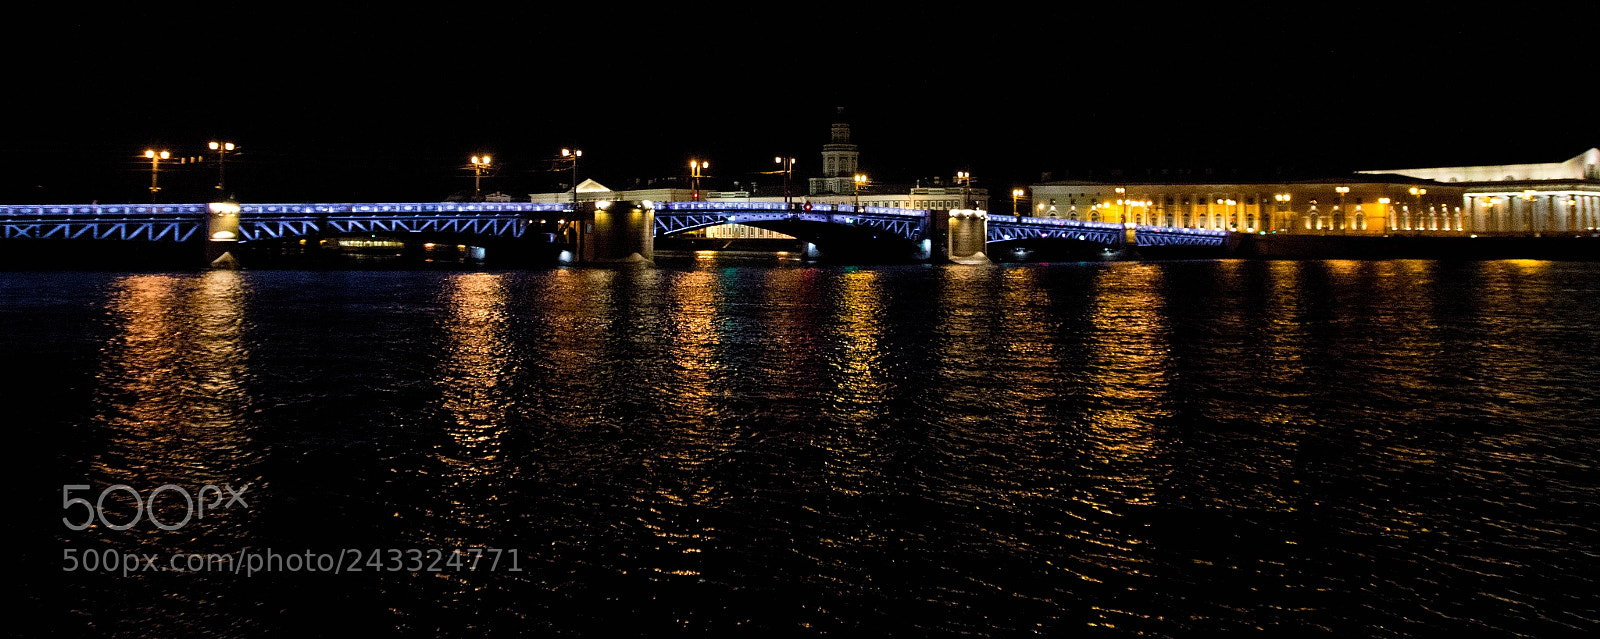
(155, 166)
(222, 149)
(1123, 216)
(695, 166)
(787, 170)
(1340, 219)
(860, 179)
(572, 156)
(1388, 213)
(480, 163)
(1016, 193)
(964, 178)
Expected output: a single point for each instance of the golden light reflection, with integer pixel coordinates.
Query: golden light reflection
(580, 321)
(857, 370)
(475, 377)
(1129, 374)
(694, 434)
(1283, 343)
(698, 315)
(1529, 267)
(172, 390)
(1284, 324)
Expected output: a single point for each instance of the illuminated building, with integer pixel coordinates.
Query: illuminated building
(1553, 197)
(1366, 206)
(839, 184)
(1531, 198)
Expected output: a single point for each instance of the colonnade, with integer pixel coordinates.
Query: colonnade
(1365, 208)
(1532, 212)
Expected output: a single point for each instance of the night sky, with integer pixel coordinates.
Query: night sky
(385, 104)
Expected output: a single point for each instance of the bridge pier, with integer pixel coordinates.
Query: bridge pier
(222, 234)
(958, 236)
(613, 232)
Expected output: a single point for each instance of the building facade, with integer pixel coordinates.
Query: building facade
(1527, 199)
(1369, 206)
(1555, 197)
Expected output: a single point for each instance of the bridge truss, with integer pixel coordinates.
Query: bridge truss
(1008, 227)
(150, 223)
(679, 217)
(1169, 236)
(180, 222)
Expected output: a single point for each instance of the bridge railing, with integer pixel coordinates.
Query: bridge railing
(1179, 230)
(794, 207)
(73, 210)
(356, 208)
(1000, 219)
(405, 208)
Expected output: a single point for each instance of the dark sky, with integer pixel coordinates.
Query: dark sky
(386, 104)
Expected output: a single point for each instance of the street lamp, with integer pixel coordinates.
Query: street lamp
(1340, 218)
(1123, 204)
(860, 179)
(1283, 201)
(1015, 193)
(695, 166)
(480, 163)
(1388, 213)
(787, 170)
(572, 155)
(964, 178)
(155, 166)
(222, 149)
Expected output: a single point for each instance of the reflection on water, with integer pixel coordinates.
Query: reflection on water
(172, 394)
(474, 381)
(1169, 449)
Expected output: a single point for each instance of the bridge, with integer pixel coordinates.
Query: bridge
(592, 231)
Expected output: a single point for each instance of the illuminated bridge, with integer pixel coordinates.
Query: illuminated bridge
(593, 231)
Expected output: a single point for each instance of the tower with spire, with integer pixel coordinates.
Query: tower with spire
(839, 157)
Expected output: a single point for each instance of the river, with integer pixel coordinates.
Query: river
(1383, 448)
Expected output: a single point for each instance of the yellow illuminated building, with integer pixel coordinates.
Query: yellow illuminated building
(1525, 199)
